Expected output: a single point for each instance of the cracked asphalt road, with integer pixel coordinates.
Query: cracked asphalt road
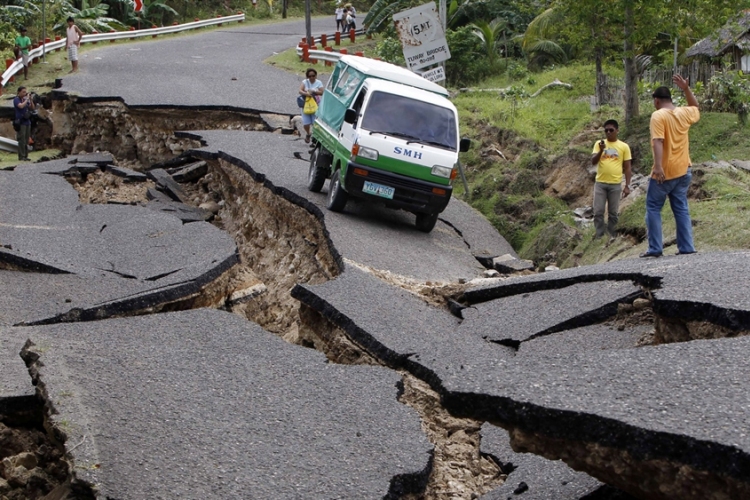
(664, 420)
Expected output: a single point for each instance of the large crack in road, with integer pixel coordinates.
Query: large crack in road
(281, 245)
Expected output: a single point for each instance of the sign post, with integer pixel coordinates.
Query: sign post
(138, 9)
(422, 38)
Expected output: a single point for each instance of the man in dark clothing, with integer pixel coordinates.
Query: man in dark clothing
(24, 105)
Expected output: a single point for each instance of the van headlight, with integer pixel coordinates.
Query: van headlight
(441, 171)
(368, 153)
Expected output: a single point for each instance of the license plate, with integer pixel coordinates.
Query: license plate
(378, 190)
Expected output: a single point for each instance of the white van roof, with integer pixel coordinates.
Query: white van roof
(391, 72)
(375, 84)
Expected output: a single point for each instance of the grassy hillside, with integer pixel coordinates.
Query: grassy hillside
(529, 168)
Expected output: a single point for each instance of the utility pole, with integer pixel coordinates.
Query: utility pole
(44, 31)
(308, 24)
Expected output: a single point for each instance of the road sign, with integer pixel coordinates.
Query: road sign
(421, 36)
(138, 5)
(434, 74)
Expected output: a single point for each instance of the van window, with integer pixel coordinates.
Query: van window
(348, 83)
(411, 119)
(357, 106)
(334, 78)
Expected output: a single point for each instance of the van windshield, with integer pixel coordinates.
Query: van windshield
(413, 120)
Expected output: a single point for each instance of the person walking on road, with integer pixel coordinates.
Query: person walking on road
(311, 87)
(23, 105)
(671, 173)
(21, 51)
(339, 18)
(612, 158)
(72, 43)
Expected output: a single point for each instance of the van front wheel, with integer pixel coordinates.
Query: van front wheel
(316, 177)
(426, 222)
(337, 197)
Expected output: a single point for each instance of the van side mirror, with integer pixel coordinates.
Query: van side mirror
(350, 116)
(464, 145)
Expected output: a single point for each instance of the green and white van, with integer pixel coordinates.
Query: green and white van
(385, 134)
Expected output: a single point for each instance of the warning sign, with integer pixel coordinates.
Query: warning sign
(421, 36)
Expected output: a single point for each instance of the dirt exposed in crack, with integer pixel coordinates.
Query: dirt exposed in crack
(459, 470)
(32, 465)
(104, 187)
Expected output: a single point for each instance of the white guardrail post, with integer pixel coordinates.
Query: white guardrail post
(17, 66)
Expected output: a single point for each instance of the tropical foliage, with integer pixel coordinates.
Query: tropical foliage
(91, 16)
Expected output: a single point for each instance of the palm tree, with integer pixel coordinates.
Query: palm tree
(537, 41)
(489, 34)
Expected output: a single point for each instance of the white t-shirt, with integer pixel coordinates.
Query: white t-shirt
(72, 36)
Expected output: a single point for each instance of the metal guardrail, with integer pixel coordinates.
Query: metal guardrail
(17, 66)
(8, 145)
(324, 55)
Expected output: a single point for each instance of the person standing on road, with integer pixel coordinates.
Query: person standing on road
(612, 158)
(21, 51)
(311, 87)
(671, 173)
(72, 42)
(23, 105)
(339, 18)
(351, 18)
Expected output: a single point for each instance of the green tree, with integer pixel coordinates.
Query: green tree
(540, 40)
(493, 35)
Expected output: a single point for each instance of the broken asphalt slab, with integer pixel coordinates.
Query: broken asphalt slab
(134, 257)
(518, 318)
(365, 232)
(202, 404)
(699, 287)
(664, 420)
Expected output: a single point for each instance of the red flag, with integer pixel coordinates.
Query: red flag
(138, 5)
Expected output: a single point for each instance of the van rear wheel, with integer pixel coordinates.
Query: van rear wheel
(337, 197)
(426, 222)
(316, 176)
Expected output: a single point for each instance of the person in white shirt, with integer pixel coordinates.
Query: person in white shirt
(339, 18)
(72, 42)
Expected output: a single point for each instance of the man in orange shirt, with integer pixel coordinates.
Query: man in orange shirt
(671, 173)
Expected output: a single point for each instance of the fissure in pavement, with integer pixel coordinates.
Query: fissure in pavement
(282, 244)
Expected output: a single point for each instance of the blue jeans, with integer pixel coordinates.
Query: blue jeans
(676, 190)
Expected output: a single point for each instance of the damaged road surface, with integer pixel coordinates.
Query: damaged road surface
(141, 345)
(657, 421)
(203, 404)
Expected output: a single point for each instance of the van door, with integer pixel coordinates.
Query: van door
(348, 132)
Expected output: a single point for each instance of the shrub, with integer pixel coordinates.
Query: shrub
(389, 49)
(727, 91)
(465, 66)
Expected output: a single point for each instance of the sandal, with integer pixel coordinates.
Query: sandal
(307, 138)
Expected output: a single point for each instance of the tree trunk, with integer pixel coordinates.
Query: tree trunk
(599, 78)
(631, 75)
